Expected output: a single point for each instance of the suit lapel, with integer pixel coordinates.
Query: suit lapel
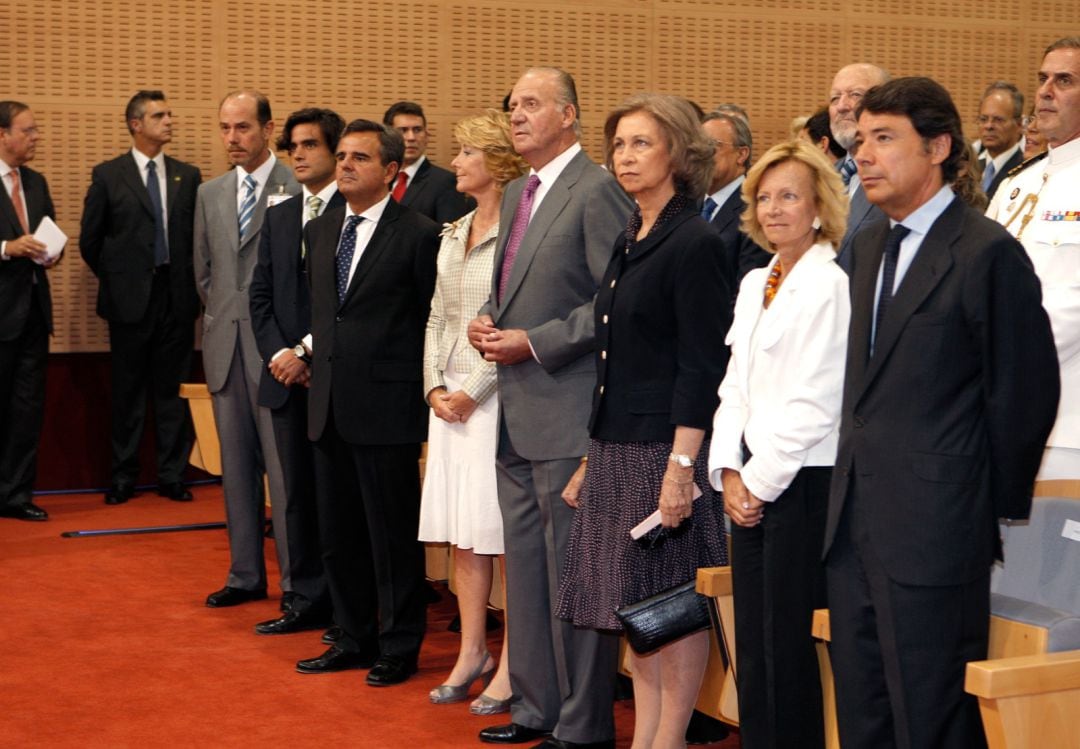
(864, 279)
(7, 208)
(417, 184)
(555, 200)
(129, 173)
(728, 212)
(931, 264)
(172, 184)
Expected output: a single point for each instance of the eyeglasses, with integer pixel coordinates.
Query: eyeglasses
(996, 119)
(1028, 120)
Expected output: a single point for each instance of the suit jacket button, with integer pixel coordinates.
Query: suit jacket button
(601, 390)
(338, 318)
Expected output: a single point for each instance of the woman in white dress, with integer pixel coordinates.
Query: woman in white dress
(459, 503)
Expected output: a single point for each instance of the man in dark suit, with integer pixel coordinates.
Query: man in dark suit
(372, 265)
(419, 184)
(950, 390)
(724, 204)
(557, 228)
(136, 237)
(1000, 113)
(281, 319)
(229, 215)
(849, 85)
(26, 312)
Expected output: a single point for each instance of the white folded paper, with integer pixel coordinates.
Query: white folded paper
(653, 520)
(53, 237)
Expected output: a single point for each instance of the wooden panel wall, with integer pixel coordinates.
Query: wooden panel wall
(76, 62)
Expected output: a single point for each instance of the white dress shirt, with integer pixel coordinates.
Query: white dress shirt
(784, 384)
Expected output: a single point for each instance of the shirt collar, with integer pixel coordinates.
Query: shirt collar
(414, 167)
(720, 196)
(550, 171)
(1001, 158)
(261, 175)
(141, 160)
(372, 213)
(923, 217)
(5, 168)
(1065, 153)
(324, 194)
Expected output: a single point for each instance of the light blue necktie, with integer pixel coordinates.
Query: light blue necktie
(708, 209)
(847, 170)
(988, 174)
(247, 206)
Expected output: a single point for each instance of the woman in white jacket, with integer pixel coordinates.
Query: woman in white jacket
(775, 437)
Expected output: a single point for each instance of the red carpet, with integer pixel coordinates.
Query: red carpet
(105, 641)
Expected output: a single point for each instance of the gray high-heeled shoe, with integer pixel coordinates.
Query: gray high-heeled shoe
(445, 694)
(484, 705)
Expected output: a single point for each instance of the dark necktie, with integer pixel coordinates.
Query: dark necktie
(346, 248)
(888, 274)
(847, 170)
(161, 247)
(708, 209)
(517, 231)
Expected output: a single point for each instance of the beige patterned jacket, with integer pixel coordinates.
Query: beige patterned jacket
(462, 287)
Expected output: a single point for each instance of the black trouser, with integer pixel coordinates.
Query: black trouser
(151, 357)
(778, 580)
(22, 406)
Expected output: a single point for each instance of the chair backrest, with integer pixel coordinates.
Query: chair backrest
(1042, 556)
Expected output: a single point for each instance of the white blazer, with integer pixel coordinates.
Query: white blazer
(785, 380)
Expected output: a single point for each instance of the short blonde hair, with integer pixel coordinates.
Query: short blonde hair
(829, 194)
(490, 133)
(691, 149)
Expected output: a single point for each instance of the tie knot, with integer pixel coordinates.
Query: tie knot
(533, 184)
(708, 208)
(352, 222)
(15, 176)
(314, 203)
(151, 166)
(249, 183)
(847, 169)
(896, 236)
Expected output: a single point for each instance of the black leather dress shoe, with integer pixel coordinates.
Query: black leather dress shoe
(553, 743)
(390, 670)
(332, 635)
(293, 621)
(336, 659)
(174, 491)
(28, 511)
(119, 493)
(511, 733)
(233, 596)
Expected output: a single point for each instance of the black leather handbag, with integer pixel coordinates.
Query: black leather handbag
(665, 617)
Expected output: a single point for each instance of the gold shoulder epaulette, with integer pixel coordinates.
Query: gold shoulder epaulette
(1025, 164)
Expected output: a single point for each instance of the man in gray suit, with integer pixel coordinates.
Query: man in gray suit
(849, 86)
(557, 229)
(228, 215)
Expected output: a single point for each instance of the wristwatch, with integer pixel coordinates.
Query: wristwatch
(681, 460)
(301, 353)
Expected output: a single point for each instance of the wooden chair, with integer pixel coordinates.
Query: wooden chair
(1029, 698)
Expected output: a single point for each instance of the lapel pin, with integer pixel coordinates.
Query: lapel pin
(1014, 193)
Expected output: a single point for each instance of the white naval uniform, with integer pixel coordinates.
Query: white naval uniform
(1052, 240)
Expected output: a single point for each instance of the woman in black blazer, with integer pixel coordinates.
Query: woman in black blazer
(660, 326)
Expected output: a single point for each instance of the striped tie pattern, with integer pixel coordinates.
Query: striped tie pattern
(247, 206)
(346, 248)
(517, 230)
(847, 170)
(314, 206)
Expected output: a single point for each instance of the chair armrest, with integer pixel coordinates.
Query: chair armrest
(1028, 674)
(714, 581)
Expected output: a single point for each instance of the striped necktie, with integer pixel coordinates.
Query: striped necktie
(247, 206)
(847, 170)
